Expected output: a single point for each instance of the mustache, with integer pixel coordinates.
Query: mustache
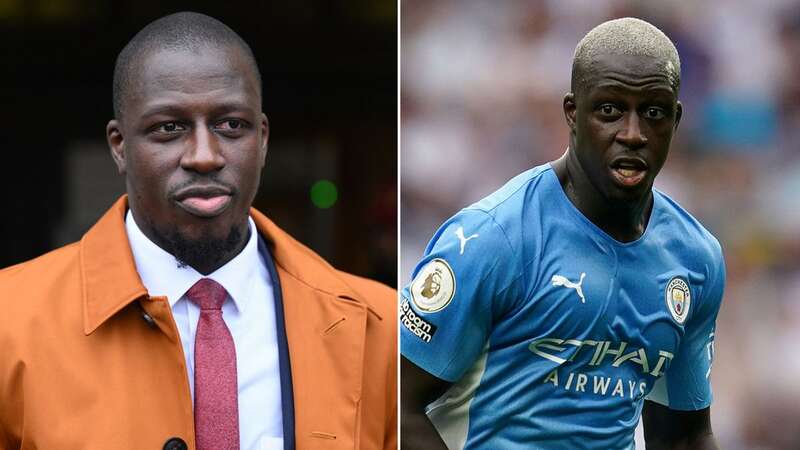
(204, 181)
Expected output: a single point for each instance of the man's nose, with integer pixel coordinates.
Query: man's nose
(631, 134)
(204, 153)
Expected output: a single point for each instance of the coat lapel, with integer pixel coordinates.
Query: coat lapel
(284, 364)
(325, 328)
(108, 272)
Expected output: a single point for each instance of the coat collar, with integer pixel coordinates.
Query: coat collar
(110, 281)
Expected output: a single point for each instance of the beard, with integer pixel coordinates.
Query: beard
(205, 251)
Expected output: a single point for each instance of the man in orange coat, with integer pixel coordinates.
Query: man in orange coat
(184, 318)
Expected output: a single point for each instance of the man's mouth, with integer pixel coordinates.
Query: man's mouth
(204, 201)
(628, 172)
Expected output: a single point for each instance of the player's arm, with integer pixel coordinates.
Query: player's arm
(465, 279)
(669, 429)
(677, 412)
(418, 388)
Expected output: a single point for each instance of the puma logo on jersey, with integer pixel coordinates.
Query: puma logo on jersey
(460, 236)
(559, 280)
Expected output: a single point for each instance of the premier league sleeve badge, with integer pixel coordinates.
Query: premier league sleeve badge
(434, 287)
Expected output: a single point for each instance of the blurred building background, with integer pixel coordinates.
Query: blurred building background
(330, 91)
(481, 94)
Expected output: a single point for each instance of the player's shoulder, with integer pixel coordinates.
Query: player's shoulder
(516, 192)
(696, 238)
(508, 210)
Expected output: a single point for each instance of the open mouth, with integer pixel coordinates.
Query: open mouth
(628, 172)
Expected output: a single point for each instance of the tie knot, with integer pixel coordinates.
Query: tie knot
(207, 294)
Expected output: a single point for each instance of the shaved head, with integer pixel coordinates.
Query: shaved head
(184, 31)
(627, 36)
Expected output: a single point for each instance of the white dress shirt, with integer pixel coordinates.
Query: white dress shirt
(249, 313)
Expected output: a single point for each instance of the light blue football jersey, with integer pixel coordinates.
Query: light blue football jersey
(553, 332)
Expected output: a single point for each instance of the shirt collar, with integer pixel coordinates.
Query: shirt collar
(110, 280)
(162, 275)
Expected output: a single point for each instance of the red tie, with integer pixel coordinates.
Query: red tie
(216, 408)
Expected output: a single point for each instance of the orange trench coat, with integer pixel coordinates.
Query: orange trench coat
(81, 370)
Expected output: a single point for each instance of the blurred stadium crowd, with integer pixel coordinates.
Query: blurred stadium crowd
(482, 88)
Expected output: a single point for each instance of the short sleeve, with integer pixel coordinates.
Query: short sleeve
(686, 385)
(464, 280)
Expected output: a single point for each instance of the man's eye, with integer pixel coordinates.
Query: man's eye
(231, 124)
(609, 110)
(654, 113)
(170, 127)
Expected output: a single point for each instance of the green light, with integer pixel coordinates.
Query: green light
(324, 194)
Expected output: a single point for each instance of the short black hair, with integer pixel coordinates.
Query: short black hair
(179, 31)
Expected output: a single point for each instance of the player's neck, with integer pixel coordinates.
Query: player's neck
(625, 222)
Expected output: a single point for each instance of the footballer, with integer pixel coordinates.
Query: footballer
(576, 299)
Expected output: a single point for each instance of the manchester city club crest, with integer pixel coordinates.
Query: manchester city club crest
(434, 286)
(678, 299)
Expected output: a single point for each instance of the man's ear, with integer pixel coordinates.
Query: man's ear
(264, 138)
(116, 143)
(678, 114)
(570, 109)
